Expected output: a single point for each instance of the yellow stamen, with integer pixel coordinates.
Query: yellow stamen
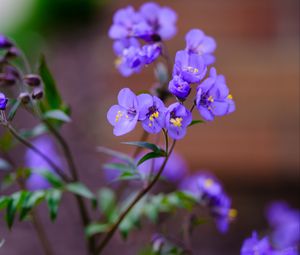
(232, 213)
(176, 122)
(192, 69)
(208, 183)
(118, 61)
(211, 99)
(229, 96)
(118, 116)
(153, 116)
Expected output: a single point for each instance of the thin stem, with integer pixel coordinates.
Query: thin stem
(85, 218)
(138, 197)
(28, 144)
(38, 226)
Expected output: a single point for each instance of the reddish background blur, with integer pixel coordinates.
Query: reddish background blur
(255, 151)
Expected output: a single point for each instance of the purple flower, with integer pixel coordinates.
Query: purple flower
(152, 113)
(162, 20)
(199, 43)
(285, 223)
(191, 67)
(254, 246)
(5, 43)
(179, 88)
(124, 116)
(177, 120)
(209, 192)
(128, 23)
(129, 58)
(3, 102)
(175, 170)
(151, 52)
(38, 165)
(213, 98)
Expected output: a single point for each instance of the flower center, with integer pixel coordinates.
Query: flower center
(118, 116)
(177, 121)
(191, 69)
(206, 100)
(208, 183)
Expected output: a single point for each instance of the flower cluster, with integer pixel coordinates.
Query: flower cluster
(285, 236)
(11, 75)
(209, 192)
(191, 65)
(38, 165)
(151, 112)
(149, 25)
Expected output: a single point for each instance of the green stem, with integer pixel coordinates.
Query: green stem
(28, 144)
(138, 197)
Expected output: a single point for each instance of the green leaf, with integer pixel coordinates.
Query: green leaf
(52, 178)
(151, 155)
(3, 202)
(116, 154)
(36, 131)
(129, 176)
(107, 203)
(80, 189)
(57, 115)
(194, 122)
(119, 167)
(13, 110)
(6, 141)
(32, 200)
(96, 228)
(53, 198)
(4, 165)
(145, 145)
(52, 96)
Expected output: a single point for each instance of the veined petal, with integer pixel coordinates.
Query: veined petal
(125, 125)
(205, 113)
(115, 113)
(127, 99)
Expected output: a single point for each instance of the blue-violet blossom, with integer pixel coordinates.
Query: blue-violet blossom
(254, 246)
(3, 101)
(179, 88)
(124, 116)
(177, 120)
(199, 43)
(151, 113)
(191, 67)
(213, 98)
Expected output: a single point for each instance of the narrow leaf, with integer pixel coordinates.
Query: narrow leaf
(80, 189)
(119, 155)
(53, 198)
(96, 228)
(145, 145)
(13, 109)
(52, 178)
(57, 115)
(194, 122)
(151, 155)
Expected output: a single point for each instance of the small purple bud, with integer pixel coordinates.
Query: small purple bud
(37, 93)
(3, 102)
(12, 53)
(24, 97)
(32, 80)
(7, 79)
(179, 88)
(4, 42)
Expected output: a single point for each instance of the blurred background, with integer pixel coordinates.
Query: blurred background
(254, 151)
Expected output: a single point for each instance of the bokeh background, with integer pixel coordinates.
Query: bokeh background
(254, 151)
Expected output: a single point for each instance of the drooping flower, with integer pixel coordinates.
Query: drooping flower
(285, 223)
(179, 88)
(151, 113)
(162, 21)
(213, 98)
(209, 192)
(129, 58)
(5, 43)
(254, 246)
(201, 44)
(190, 67)
(177, 120)
(38, 165)
(175, 169)
(3, 101)
(124, 116)
(150, 52)
(128, 23)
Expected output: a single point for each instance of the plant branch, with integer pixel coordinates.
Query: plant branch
(138, 197)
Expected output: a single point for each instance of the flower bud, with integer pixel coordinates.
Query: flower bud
(12, 53)
(4, 42)
(9, 76)
(3, 102)
(24, 97)
(37, 93)
(32, 80)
